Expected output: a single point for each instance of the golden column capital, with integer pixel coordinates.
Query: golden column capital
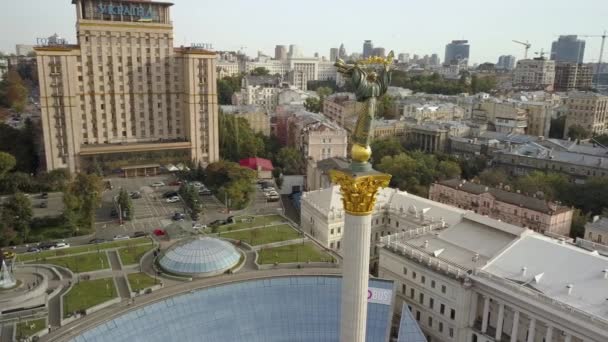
(359, 191)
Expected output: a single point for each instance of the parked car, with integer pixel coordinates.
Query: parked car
(44, 195)
(159, 232)
(173, 199)
(46, 245)
(33, 250)
(139, 234)
(217, 223)
(199, 226)
(8, 254)
(113, 212)
(135, 195)
(61, 245)
(176, 183)
(170, 194)
(197, 184)
(178, 216)
(157, 184)
(95, 241)
(269, 189)
(43, 204)
(205, 192)
(230, 219)
(121, 237)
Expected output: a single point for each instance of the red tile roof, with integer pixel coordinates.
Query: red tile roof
(254, 163)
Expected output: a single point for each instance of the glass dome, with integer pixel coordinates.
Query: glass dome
(200, 257)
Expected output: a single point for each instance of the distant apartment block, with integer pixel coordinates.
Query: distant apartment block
(534, 74)
(587, 109)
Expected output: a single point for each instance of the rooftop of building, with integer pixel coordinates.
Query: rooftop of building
(514, 198)
(243, 109)
(293, 308)
(255, 163)
(561, 266)
(601, 223)
(534, 150)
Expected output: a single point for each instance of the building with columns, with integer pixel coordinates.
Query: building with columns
(484, 280)
(467, 277)
(124, 90)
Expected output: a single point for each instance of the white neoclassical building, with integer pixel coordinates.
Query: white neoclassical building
(470, 278)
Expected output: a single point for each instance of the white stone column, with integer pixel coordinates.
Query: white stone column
(499, 321)
(532, 330)
(568, 337)
(515, 326)
(549, 335)
(355, 277)
(473, 312)
(486, 311)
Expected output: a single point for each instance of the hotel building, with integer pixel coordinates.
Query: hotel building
(124, 92)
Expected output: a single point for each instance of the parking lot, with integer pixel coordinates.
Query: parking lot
(151, 211)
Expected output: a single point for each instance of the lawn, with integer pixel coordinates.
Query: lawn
(140, 281)
(26, 257)
(262, 236)
(82, 262)
(258, 221)
(293, 253)
(131, 255)
(28, 328)
(87, 294)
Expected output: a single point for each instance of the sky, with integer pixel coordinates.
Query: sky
(415, 27)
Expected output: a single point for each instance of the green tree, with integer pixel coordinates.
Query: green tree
(472, 167)
(385, 147)
(493, 177)
(291, 161)
(224, 92)
(260, 71)
(81, 199)
(324, 92)
(237, 139)
(126, 204)
(577, 132)
(549, 185)
(385, 107)
(230, 181)
(14, 91)
(191, 199)
(313, 104)
(7, 163)
(448, 169)
(579, 219)
(17, 214)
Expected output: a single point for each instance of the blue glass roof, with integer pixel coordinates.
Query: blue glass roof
(409, 331)
(199, 256)
(301, 309)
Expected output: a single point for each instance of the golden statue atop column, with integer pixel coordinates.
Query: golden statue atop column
(359, 185)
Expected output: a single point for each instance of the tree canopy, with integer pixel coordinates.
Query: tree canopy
(230, 181)
(290, 160)
(577, 132)
(260, 71)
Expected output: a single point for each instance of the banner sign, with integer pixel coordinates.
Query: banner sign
(379, 296)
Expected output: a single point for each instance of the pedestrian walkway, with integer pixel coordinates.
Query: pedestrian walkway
(123, 288)
(114, 262)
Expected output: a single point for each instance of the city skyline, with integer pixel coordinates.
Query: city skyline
(193, 24)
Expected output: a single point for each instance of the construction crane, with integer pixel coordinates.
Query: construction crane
(526, 44)
(541, 53)
(599, 61)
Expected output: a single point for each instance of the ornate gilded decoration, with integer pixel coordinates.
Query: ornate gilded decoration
(359, 192)
(371, 78)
